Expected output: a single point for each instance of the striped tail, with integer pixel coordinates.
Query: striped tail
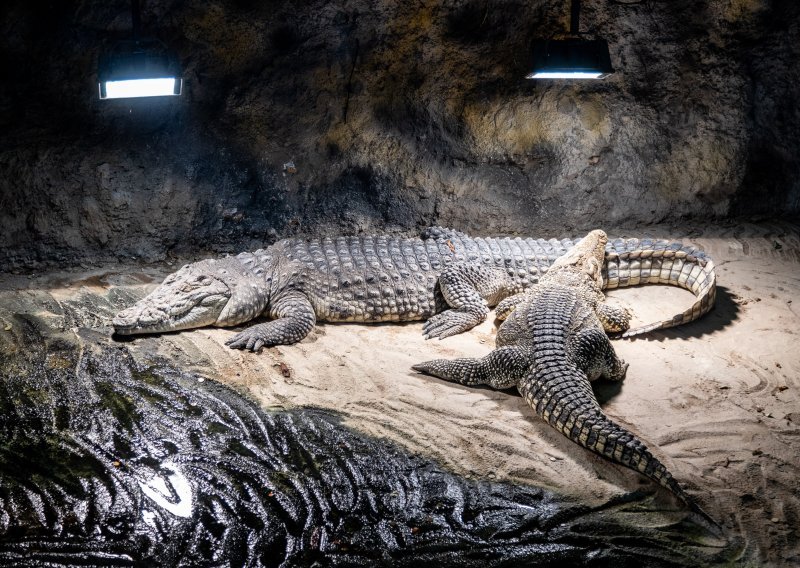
(630, 262)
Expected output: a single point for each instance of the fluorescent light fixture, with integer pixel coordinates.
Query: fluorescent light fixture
(139, 68)
(564, 75)
(570, 59)
(168, 86)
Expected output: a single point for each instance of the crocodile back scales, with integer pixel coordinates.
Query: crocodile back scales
(359, 278)
(561, 393)
(386, 278)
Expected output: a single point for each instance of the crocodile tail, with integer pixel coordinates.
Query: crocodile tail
(569, 405)
(630, 262)
(605, 437)
(705, 291)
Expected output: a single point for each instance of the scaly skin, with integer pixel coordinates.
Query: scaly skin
(552, 344)
(445, 277)
(634, 262)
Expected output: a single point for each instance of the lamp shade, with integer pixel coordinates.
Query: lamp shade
(139, 68)
(570, 59)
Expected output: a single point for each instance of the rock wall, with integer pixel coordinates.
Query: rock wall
(319, 117)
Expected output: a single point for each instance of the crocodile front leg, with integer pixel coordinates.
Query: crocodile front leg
(500, 369)
(504, 308)
(614, 319)
(467, 289)
(296, 319)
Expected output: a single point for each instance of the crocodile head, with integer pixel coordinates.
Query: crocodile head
(218, 292)
(586, 257)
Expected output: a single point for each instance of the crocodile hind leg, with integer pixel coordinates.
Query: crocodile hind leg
(467, 289)
(296, 319)
(614, 319)
(500, 369)
(592, 352)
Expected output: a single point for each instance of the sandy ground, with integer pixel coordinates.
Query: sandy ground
(717, 401)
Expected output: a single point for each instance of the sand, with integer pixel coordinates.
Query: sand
(717, 401)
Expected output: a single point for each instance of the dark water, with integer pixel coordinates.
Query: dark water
(108, 462)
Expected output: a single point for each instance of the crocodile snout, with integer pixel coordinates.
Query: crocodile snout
(136, 318)
(124, 319)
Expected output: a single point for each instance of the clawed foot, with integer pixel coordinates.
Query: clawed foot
(250, 339)
(451, 322)
(282, 331)
(619, 371)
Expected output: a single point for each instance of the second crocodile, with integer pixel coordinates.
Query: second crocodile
(551, 346)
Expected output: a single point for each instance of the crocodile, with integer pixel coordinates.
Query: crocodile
(551, 345)
(444, 276)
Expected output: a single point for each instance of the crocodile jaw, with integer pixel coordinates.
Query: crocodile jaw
(586, 257)
(142, 318)
(220, 292)
(181, 303)
(197, 295)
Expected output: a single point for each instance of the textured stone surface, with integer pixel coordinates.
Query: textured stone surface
(318, 117)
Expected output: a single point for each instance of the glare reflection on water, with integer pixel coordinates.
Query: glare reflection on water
(174, 494)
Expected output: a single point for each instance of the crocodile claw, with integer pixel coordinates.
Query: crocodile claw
(248, 339)
(451, 322)
(424, 367)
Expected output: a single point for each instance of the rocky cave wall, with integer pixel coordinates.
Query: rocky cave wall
(337, 117)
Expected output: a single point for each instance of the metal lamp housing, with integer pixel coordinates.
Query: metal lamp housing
(570, 59)
(139, 68)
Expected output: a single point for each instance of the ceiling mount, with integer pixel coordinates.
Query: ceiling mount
(571, 58)
(138, 67)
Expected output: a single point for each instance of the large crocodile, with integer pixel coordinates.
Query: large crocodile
(551, 346)
(446, 276)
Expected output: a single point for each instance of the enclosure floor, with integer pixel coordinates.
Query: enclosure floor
(717, 401)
